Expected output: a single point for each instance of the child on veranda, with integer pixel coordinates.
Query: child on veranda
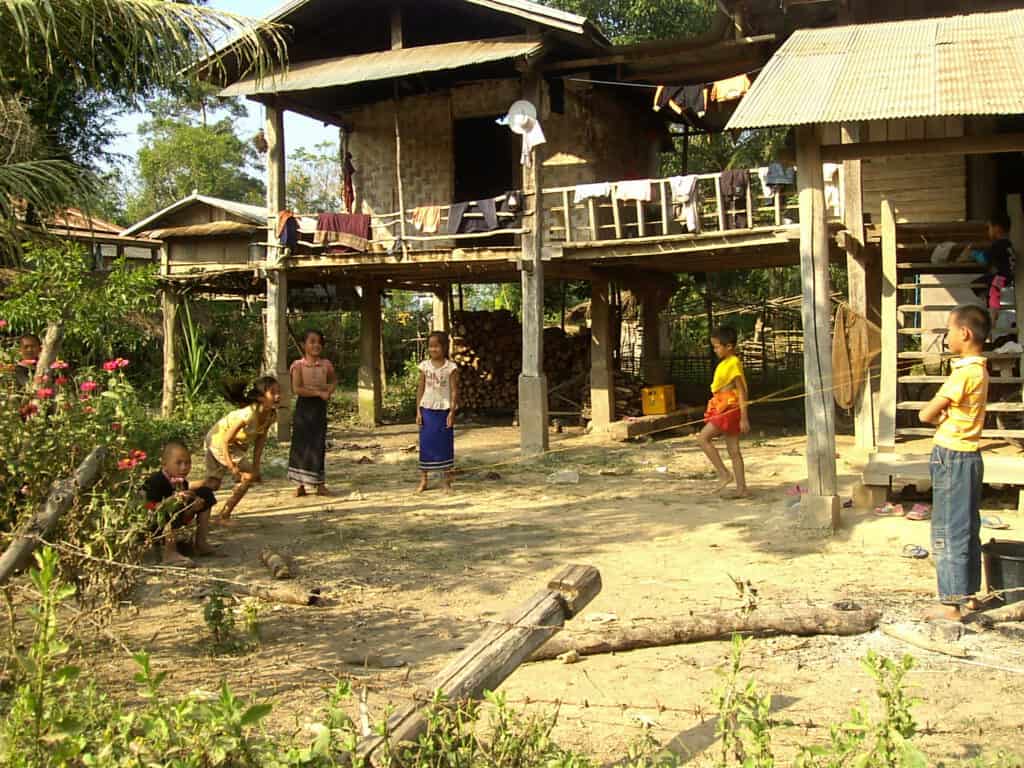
(437, 400)
(1000, 261)
(313, 381)
(726, 412)
(957, 473)
(228, 441)
(188, 506)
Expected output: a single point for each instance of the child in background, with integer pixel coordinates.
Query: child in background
(958, 411)
(189, 506)
(1000, 260)
(313, 381)
(437, 400)
(229, 440)
(726, 413)
(29, 349)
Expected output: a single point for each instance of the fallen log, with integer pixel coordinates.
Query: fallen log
(62, 495)
(276, 563)
(695, 628)
(278, 594)
(1010, 612)
(485, 664)
(918, 640)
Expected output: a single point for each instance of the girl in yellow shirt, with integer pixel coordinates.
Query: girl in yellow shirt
(726, 412)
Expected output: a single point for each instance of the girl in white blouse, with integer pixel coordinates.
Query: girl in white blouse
(437, 400)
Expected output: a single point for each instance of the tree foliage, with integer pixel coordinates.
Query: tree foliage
(314, 179)
(630, 21)
(191, 145)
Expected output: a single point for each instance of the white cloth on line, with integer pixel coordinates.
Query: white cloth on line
(833, 182)
(585, 192)
(633, 190)
(762, 174)
(684, 192)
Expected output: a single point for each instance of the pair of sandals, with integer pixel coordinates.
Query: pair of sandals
(321, 490)
(917, 512)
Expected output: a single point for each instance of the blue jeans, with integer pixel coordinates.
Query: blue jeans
(956, 522)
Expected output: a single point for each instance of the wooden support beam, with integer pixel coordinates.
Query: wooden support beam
(959, 145)
(495, 655)
(440, 320)
(602, 365)
(170, 301)
(533, 385)
(888, 384)
(275, 345)
(856, 272)
(370, 392)
(652, 304)
(819, 407)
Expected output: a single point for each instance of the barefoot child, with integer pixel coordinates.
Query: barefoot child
(187, 506)
(726, 413)
(437, 400)
(958, 411)
(229, 440)
(313, 381)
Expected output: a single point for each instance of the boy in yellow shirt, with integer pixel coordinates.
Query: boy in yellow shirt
(726, 413)
(958, 411)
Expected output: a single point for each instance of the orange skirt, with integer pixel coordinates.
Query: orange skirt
(724, 412)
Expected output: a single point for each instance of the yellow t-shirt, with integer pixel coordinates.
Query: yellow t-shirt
(249, 418)
(967, 390)
(728, 370)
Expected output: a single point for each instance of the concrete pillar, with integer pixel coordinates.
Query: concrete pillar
(370, 391)
(275, 348)
(820, 507)
(602, 365)
(533, 385)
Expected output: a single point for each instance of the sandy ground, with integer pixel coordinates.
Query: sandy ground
(413, 579)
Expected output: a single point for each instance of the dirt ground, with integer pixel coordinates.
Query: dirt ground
(413, 579)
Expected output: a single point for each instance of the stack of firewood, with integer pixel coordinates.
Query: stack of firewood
(628, 396)
(488, 348)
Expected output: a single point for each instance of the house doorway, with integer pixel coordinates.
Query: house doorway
(486, 163)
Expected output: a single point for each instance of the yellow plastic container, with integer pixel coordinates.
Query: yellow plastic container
(659, 400)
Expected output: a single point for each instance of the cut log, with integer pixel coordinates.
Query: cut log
(277, 564)
(910, 636)
(1011, 612)
(697, 628)
(277, 594)
(62, 495)
(485, 664)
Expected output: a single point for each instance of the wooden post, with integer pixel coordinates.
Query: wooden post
(370, 395)
(602, 364)
(441, 321)
(820, 506)
(567, 215)
(595, 233)
(654, 366)
(778, 209)
(856, 272)
(641, 225)
(750, 201)
(889, 362)
(495, 655)
(719, 205)
(170, 301)
(616, 217)
(275, 346)
(533, 385)
(398, 175)
(665, 203)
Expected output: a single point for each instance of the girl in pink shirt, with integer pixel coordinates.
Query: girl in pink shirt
(313, 382)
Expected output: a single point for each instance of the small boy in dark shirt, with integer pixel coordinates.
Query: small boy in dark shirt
(185, 506)
(1000, 261)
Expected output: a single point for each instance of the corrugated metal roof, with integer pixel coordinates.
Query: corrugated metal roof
(384, 65)
(957, 65)
(256, 214)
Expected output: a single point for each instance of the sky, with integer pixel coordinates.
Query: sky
(299, 131)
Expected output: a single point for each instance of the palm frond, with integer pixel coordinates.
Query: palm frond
(132, 41)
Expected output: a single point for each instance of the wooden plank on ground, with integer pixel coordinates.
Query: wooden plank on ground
(627, 429)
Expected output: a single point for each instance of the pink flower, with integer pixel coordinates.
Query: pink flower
(116, 426)
(151, 505)
(115, 364)
(44, 393)
(121, 362)
(89, 409)
(3, 324)
(138, 455)
(124, 464)
(88, 386)
(29, 409)
(60, 381)
(59, 365)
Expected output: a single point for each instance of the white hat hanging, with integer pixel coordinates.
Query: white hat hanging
(522, 119)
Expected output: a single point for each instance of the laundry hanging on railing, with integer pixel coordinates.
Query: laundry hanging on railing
(348, 188)
(633, 190)
(426, 218)
(689, 102)
(730, 89)
(460, 224)
(343, 231)
(686, 198)
(584, 192)
(287, 230)
(833, 175)
(780, 176)
(733, 185)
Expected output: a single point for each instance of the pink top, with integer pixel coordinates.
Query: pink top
(313, 375)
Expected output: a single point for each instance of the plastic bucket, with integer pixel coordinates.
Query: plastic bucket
(1004, 568)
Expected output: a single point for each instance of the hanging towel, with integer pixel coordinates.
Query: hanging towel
(734, 197)
(766, 188)
(633, 190)
(730, 89)
(459, 224)
(684, 192)
(780, 176)
(351, 230)
(348, 171)
(427, 218)
(590, 191)
(850, 355)
(287, 229)
(833, 180)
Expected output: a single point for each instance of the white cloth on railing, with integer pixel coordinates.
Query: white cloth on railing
(633, 190)
(584, 192)
(684, 193)
(762, 174)
(833, 183)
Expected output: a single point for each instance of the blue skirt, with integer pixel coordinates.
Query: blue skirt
(437, 442)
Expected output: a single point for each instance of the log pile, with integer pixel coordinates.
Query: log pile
(628, 396)
(488, 348)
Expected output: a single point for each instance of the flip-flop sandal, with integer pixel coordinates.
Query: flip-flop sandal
(914, 551)
(919, 512)
(889, 510)
(795, 490)
(995, 522)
